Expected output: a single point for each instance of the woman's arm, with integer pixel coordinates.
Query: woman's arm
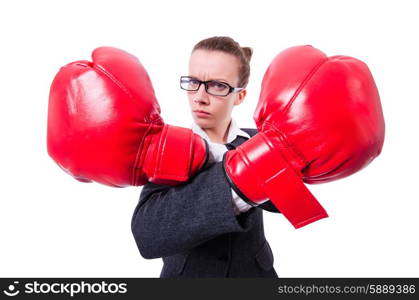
(169, 220)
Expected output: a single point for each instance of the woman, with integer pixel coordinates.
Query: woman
(202, 228)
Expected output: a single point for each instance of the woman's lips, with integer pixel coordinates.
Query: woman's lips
(201, 114)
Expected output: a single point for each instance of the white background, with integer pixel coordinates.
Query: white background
(53, 225)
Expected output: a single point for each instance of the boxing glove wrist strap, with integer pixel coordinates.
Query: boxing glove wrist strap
(256, 170)
(174, 155)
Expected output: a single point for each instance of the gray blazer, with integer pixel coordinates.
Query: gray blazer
(192, 226)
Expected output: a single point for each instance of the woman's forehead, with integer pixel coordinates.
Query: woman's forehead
(209, 64)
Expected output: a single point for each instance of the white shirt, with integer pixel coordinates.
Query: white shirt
(216, 154)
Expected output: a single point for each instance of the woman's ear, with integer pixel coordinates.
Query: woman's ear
(240, 97)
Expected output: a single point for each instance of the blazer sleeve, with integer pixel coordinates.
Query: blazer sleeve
(173, 219)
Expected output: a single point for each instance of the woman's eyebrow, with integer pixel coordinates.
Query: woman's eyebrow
(220, 79)
(216, 79)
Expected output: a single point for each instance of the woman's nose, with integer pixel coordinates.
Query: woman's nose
(201, 95)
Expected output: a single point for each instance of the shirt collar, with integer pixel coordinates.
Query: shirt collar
(233, 132)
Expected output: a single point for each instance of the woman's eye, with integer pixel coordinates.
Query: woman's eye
(218, 85)
(192, 83)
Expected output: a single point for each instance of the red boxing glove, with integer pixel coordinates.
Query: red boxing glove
(104, 125)
(319, 119)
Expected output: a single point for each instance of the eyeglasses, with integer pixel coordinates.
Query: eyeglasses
(212, 87)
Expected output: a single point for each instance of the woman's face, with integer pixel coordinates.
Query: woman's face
(213, 65)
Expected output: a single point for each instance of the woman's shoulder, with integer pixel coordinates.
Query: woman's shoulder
(250, 131)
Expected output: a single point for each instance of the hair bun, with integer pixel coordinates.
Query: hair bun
(247, 51)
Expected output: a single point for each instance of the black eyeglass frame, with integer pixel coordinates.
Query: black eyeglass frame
(231, 89)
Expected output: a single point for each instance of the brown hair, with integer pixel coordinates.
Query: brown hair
(228, 45)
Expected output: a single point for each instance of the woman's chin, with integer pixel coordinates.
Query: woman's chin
(203, 122)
